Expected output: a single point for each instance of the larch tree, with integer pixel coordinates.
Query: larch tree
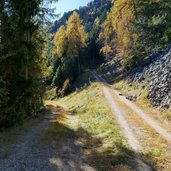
(69, 44)
(108, 30)
(124, 15)
(77, 38)
(60, 42)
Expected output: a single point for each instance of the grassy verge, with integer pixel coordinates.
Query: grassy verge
(91, 122)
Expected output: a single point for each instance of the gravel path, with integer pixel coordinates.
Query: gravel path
(139, 162)
(144, 116)
(128, 133)
(150, 121)
(33, 154)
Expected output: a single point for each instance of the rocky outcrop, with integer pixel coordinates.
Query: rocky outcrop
(156, 70)
(158, 76)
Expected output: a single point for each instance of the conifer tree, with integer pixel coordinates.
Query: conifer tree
(21, 48)
(124, 15)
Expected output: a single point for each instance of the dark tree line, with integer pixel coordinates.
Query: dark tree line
(21, 60)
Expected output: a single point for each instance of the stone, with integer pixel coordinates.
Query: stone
(158, 76)
(131, 97)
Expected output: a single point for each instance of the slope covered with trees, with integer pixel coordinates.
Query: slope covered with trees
(138, 34)
(92, 16)
(88, 14)
(129, 29)
(103, 58)
(69, 46)
(75, 43)
(140, 28)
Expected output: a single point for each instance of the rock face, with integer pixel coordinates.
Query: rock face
(158, 76)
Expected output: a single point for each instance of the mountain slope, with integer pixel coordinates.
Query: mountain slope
(88, 14)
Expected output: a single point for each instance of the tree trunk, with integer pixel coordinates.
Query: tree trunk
(1, 20)
(28, 40)
(79, 67)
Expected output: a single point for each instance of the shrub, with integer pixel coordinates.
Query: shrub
(66, 87)
(57, 79)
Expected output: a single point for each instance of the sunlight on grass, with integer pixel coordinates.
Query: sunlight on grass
(87, 119)
(155, 153)
(96, 127)
(95, 118)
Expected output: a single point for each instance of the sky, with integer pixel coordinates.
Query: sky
(68, 5)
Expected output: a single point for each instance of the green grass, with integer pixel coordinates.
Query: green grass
(92, 122)
(94, 118)
(155, 153)
(50, 93)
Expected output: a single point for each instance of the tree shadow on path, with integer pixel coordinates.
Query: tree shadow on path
(77, 150)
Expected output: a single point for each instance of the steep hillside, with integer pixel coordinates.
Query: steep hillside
(148, 85)
(158, 76)
(94, 9)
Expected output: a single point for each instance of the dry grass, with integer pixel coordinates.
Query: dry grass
(50, 93)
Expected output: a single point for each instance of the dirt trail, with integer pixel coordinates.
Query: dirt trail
(33, 154)
(154, 124)
(146, 134)
(141, 164)
(128, 133)
(129, 130)
(146, 118)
